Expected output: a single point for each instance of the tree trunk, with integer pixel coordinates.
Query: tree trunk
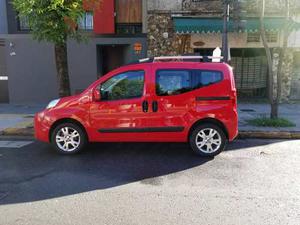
(274, 105)
(61, 59)
(274, 110)
(283, 51)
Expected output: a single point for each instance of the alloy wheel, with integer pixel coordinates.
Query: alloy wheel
(67, 139)
(208, 140)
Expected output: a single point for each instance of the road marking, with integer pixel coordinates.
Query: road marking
(14, 144)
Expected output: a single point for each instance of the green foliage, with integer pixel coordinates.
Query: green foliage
(52, 20)
(127, 89)
(267, 122)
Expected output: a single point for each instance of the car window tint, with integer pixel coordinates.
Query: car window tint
(172, 82)
(202, 78)
(123, 86)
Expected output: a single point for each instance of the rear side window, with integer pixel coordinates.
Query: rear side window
(202, 78)
(174, 82)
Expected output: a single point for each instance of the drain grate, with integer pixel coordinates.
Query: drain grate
(247, 110)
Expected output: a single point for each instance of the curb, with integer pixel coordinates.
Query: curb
(270, 134)
(25, 132)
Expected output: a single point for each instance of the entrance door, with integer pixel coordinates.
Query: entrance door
(110, 57)
(3, 75)
(121, 114)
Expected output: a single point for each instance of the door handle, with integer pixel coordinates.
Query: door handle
(145, 106)
(154, 106)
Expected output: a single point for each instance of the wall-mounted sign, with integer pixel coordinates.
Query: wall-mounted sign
(138, 47)
(199, 43)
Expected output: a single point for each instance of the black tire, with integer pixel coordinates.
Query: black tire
(204, 127)
(82, 138)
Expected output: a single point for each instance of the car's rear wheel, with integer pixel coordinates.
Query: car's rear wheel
(208, 140)
(68, 138)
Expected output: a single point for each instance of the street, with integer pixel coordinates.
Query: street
(255, 181)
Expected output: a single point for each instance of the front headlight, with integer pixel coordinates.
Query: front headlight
(52, 104)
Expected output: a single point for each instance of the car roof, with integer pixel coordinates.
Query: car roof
(185, 64)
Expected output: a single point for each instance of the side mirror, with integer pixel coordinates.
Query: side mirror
(96, 95)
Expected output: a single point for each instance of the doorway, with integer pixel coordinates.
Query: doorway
(3, 75)
(110, 57)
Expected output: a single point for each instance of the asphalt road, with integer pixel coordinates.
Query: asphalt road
(253, 182)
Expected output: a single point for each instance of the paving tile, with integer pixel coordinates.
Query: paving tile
(14, 144)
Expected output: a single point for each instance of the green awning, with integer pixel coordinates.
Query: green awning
(194, 25)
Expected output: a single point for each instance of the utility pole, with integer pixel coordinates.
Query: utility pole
(225, 30)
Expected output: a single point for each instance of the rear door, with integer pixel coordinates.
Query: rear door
(182, 94)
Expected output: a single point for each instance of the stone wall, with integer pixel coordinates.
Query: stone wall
(162, 40)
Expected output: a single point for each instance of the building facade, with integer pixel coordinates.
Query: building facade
(117, 36)
(195, 27)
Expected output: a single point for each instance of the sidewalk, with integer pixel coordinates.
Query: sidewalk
(17, 120)
(251, 111)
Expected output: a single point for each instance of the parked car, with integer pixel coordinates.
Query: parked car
(153, 101)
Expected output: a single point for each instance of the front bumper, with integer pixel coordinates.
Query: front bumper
(41, 127)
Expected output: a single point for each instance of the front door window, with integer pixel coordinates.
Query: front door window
(127, 85)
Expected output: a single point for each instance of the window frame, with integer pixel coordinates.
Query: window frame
(128, 71)
(191, 72)
(21, 21)
(84, 18)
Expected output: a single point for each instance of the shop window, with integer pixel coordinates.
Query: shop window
(86, 22)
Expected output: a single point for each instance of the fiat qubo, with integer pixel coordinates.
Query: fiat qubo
(159, 100)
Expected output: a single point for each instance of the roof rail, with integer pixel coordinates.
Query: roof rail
(181, 58)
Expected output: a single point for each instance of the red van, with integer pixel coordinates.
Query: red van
(157, 100)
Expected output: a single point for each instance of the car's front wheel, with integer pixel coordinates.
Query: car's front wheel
(68, 138)
(208, 140)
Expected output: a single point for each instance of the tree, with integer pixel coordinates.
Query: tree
(275, 100)
(55, 21)
(274, 106)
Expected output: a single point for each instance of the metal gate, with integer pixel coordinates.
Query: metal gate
(251, 71)
(3, 75)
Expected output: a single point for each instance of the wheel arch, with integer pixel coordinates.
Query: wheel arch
(211, 121)
(66, 120)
